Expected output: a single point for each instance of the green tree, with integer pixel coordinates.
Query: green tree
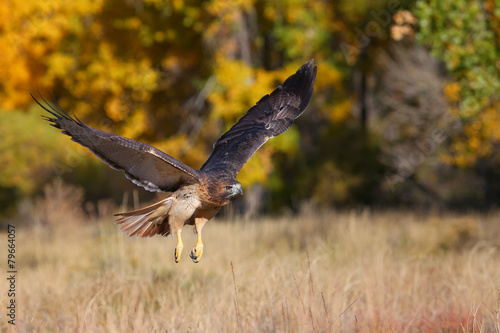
(465, 35)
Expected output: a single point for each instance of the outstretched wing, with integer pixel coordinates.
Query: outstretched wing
(143, 164)
(270, 117)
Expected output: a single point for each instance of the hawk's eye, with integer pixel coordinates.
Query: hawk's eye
(228, 187)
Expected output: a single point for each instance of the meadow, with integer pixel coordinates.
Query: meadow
(351, 271)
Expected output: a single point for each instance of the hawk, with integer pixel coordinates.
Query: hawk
(196, 195)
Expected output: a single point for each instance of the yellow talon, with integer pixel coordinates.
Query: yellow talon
(178, 248)
(197, 251)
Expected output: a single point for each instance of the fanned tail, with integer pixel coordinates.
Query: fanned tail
(147, 221)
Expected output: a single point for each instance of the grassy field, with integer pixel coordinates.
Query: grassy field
(357, 271)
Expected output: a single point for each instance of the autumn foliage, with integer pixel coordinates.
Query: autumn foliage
(176, 74)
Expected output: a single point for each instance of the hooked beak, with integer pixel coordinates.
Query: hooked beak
(237, 189)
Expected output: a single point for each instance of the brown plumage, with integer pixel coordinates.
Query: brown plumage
(197, 195)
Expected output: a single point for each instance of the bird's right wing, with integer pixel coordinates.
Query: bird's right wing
(270, 117)
(143, 164)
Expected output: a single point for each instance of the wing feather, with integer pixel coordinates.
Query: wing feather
(270, 117)
(143, 164)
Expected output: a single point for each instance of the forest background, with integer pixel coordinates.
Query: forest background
(406, 109)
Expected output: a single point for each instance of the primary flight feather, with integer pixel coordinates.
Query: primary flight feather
(198, 195)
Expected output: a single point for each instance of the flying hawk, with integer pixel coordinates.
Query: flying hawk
(197, 195)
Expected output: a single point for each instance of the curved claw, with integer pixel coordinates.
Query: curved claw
(196, 253)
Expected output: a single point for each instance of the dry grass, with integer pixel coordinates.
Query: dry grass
(318, 272)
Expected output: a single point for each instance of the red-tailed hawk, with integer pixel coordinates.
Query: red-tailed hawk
(197, 195)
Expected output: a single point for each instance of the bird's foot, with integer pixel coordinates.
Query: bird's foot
(177, 253)
(196, 253)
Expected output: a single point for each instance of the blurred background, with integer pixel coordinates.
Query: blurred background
(405, 114)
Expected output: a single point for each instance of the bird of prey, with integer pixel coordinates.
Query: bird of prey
(196, 195)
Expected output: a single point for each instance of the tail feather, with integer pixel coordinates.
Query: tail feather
(147, 221)
(150, 229)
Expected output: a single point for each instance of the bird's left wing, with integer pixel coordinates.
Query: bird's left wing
(270, 117)
(143, 164)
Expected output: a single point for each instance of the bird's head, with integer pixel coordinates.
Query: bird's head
(232, 190)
